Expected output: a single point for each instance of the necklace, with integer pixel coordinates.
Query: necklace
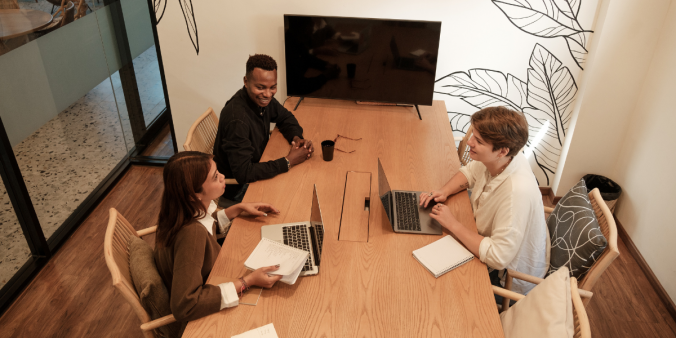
(503, 168)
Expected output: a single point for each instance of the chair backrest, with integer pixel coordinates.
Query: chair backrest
(116, 252)
(68, 14)
(580, 319)
(9, 4)
(609, 230)
(81, 9)
(202, 133)
(463, 148)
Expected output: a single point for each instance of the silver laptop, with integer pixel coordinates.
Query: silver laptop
(308, 236)
(403, 210)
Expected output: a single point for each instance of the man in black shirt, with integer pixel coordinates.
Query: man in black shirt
(244, 125)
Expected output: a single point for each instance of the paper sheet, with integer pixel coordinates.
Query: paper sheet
(267, 331)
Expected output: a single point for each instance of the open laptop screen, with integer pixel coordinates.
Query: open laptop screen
(385, 192)
(318, 223)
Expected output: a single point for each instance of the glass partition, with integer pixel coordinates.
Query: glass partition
(80, 97)
(14, 250)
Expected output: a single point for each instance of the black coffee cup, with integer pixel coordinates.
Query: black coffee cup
(327, 150)
(351, 70)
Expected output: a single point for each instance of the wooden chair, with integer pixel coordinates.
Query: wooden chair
(116, 252)
(609, 230)
(463, 148)
(9, 4)
(580, 319)
(202, 136)
(63, 16)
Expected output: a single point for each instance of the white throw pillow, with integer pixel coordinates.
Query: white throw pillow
(547, 311)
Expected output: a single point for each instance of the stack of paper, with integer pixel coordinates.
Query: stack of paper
(269, 252)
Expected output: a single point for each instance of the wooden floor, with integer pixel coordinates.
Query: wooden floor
(162, 145)
(73, 296)
(624, 302)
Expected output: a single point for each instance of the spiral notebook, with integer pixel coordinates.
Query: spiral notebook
(442, 256)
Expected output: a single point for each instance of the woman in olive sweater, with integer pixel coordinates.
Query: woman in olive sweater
(186, 247)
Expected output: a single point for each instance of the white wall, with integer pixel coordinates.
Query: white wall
(626, 42)
(646, 165)
(624, 129)
(475, 34)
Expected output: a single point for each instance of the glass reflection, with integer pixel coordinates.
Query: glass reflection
(14, 251)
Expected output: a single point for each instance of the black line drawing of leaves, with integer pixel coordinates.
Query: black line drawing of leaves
(549, 19)
(545, 99)
(576, 46)
(484, 88)
(191, 24)
(159, 6)
(459, 122)
(188, 14)
(551, 92)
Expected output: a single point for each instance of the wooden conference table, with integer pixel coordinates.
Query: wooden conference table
(368, 285)
(18, 22)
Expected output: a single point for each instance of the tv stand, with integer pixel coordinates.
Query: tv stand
(298, 103)
(387, 104)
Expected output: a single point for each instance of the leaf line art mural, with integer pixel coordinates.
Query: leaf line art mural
(550, 19)
(160, 7)
(545, 99)
(460, 122)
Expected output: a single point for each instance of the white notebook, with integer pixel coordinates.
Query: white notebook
(269, 252)
(442, 256)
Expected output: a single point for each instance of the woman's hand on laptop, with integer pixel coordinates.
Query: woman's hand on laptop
(442, 214)
(436, 196)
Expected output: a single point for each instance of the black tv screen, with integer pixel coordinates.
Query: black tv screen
(375, 60)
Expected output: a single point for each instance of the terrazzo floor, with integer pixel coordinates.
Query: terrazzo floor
(65, 159)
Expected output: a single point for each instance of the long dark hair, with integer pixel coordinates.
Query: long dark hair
(183, 175)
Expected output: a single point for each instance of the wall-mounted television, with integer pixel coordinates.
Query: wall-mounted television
(374, 60)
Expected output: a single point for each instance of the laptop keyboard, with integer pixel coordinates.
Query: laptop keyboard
(407, 211)
(296, 236)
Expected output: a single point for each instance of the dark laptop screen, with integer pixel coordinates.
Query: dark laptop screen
(385, 192)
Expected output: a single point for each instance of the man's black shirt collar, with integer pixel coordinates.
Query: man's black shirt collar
(255, 107)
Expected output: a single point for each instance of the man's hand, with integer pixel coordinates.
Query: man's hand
(307, 144)
(297, 155)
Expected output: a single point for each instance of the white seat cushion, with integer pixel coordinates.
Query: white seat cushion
(547, 311)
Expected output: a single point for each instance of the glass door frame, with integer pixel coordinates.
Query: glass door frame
(43, 249)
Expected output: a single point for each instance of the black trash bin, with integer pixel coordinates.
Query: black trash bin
(610, 191)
